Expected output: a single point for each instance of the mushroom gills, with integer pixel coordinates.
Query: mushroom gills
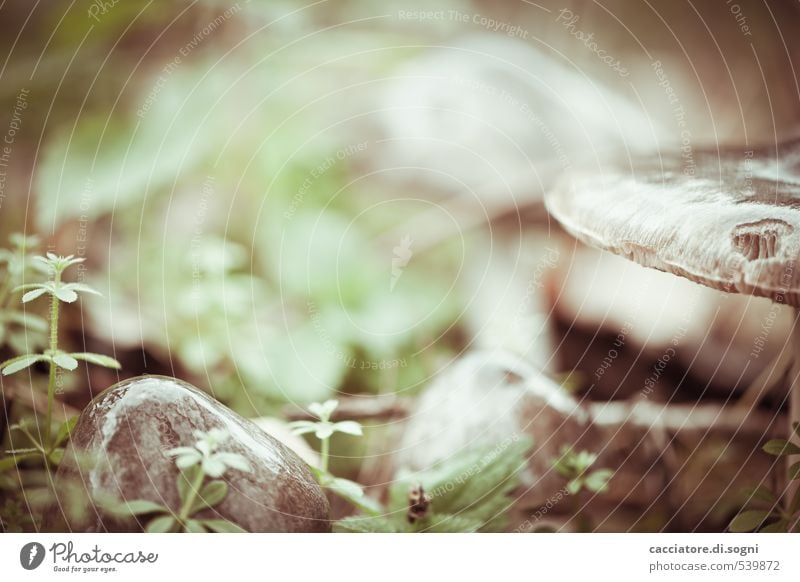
(761, 239)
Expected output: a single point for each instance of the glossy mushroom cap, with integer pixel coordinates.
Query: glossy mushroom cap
(728, 219)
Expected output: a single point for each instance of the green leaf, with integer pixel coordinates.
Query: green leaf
(780, 526)
(356, 524)
(222, 526)
(350, 490)
(65, 430)
(781, 447)
(35, 294)
(748, 520)
(138, 507)
(121, 160)
(794, 471)
(234, 461)
(12, 461)
(323, 410)
(65, 294)
(597, 481)
(81, 288)
(28, 320)
(303, 426)
(161, 524)
(437, 523)
(97, 359)
(188, 460)
(210, 495)
(348, 427)
(21, 362)
(760, 493)
(794, 506)
(302, 367)
(194, 526)
(324, 430)
(65, 361)
(475, 485)
(56, 455)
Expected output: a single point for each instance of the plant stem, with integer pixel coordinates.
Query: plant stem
(51, 383)
(194, 490)
(324, 453)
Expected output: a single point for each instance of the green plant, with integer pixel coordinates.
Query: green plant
(324, 429)
(18, 329)
(59, 291)
(199, 487)
(766, 512)
(470, 492)
(575, 466)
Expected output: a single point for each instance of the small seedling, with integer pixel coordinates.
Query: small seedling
(766, 513)
(199, 488)
(59, 291)
(324, 429)
(575, 466)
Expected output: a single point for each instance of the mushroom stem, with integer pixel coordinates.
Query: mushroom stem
(768, 378)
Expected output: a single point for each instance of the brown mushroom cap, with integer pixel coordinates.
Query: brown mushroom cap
(728, 219)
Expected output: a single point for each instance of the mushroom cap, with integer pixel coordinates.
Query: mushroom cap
(728, 218)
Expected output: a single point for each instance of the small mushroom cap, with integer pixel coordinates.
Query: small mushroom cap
(727, 219)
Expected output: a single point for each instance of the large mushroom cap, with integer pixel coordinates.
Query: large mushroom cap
(728, 219)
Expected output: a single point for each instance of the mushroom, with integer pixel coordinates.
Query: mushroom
(727, 218)
(486, 397)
